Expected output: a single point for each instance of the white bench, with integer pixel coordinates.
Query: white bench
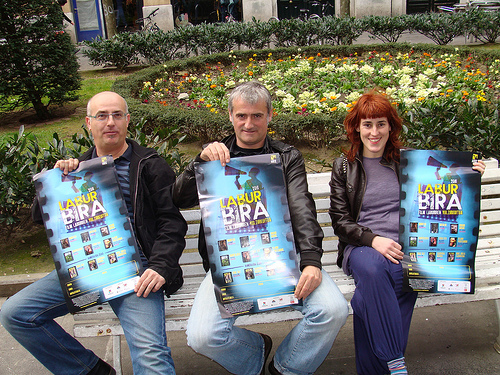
(101, 321)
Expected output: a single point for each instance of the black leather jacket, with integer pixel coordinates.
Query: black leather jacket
(159, 226)
(307, 232)
(347, 189)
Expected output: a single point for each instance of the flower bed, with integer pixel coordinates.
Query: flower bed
(304, 84)
(447, 96)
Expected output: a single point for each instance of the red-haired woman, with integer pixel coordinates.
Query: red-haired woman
(364, 208)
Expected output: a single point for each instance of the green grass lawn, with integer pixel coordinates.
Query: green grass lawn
(93, 83)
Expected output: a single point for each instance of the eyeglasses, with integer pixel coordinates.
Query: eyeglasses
(117, 116)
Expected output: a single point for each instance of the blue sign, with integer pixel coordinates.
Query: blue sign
(89, 232)
(439, 220)
(248, 231)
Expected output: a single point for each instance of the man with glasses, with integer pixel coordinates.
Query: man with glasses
(146, 180)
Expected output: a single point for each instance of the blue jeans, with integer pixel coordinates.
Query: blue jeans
(241, 351)
(29, 317)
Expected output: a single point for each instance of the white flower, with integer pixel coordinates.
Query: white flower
(405, 70)
(330, 95)
(408, 101)
(405, 80)
(305, 97)
(422, 78)
(289, 103)
(367, 69)
(321, 69)
(353, 96)
(391, 90)
(348, 68)
(342, 105)
(387, 69)
(422, 94)
(430, 72)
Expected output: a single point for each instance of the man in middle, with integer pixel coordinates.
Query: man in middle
(324, 308)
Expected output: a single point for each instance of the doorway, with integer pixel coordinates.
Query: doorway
(88, 19)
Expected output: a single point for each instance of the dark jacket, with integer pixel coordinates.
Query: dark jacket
(347, 189)
(159, 226)
(306, 230)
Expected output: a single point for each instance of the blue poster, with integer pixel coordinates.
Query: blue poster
(439, 220)
(89, 232)
(248, 232)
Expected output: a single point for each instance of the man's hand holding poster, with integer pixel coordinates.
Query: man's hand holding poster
(439, 220)
(248, 232)
(89, 232)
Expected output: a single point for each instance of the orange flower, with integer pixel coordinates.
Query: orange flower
(250, 73)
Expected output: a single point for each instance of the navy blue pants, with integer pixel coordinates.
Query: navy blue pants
(382, 312)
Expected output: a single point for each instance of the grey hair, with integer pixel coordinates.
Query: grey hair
(251, 92)
(89, 104)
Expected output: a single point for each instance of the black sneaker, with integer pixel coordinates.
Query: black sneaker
(272, 369)
(102, 368)
(268, 344)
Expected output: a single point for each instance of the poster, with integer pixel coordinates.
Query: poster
(89, 232)
(439, 220)
(249, 235)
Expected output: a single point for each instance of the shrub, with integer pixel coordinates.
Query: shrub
(119, 50)
(18, 163)
(341, 31)
(257, 34)
(38, 64)
(441, 28)
(159, 47)
(387, 29)
(446, 125)
(484, 26)
(216, 37)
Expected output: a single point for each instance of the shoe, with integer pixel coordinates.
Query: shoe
(268, 344)
(272, 369)
(102, 368)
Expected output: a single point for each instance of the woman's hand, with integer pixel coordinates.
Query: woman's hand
(479, 166)
(388, 248)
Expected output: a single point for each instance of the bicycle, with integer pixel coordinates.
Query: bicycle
(304, 14)
(326, 9)
(147, 24)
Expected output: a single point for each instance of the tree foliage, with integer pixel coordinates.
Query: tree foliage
(38, 64)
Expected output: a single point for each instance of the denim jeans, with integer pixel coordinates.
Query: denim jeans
(382, 311)
(29, 317)
(241, 351)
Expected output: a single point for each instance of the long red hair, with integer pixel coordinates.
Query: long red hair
(373, 105)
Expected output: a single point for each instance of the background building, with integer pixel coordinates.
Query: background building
(93, 18)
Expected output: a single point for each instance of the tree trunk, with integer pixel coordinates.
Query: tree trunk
(109, 17)
(42, 112)
(345, 8)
